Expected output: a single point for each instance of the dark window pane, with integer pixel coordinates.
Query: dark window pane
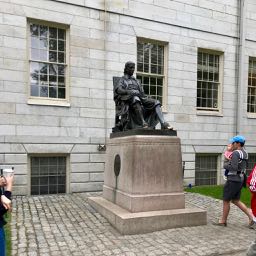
(53, 69)
(35, 161)
(62, 161)
(53, 33)
(61, 189)
(62, 180)
(52, 92)
(43, 190)
(61, 93)
(53, 170)
(43, 78)
(140, 67)
(34, 181)
(146, 68)
(61, 70)
(43, 180)
(34, 190)
(53, 189)
(61, 45)
(153, 69)
(52, 79)
(61, 34)
(61, 80)
(160, 91)
(152, 90)
(44, 170)
(52, 56)
(152, 81)
(53, 45)
(52, 180)
(61, 57)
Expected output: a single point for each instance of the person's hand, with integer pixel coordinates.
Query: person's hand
(2, 181)
(9, 182)
(7, 203)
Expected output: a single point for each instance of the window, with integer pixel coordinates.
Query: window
(48, 175)
(151, 69)
(251, 100)
(208, 81)
(206, 170)
(47, 62)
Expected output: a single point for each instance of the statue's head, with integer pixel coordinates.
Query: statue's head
(129, 68)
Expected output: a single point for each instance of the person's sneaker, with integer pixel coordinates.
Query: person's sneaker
(252, 225)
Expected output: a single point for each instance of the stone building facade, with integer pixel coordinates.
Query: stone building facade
(57, 60)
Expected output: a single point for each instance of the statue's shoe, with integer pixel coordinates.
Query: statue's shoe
(145, 125)
(166, 126)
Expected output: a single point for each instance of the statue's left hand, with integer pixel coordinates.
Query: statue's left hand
(135, 93)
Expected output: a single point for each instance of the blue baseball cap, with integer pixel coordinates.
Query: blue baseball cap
(238, 138)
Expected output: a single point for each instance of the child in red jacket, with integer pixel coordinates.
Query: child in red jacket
(251, 182)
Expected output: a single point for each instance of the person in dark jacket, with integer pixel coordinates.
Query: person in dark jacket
(5, 205)
(232, 189)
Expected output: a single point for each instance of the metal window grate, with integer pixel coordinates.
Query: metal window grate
(251, 98)
(47, 61)
(251, 163)
(206, 170)
(48, 175)
(208, 81)
(150, 68)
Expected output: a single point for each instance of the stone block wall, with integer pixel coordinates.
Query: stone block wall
(102, 37)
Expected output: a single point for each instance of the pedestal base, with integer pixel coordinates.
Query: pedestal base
(128, 223)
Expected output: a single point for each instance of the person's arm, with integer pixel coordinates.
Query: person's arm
(6, 197)
(232, 165)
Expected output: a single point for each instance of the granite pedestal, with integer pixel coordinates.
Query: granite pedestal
(143, 184)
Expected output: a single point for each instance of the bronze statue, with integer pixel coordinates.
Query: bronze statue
(134, 109)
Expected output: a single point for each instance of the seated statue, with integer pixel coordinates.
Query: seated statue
(134, 109)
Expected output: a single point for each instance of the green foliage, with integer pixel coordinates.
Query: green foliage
(217, 191)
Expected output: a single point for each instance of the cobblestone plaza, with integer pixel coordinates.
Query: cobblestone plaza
(67, 225)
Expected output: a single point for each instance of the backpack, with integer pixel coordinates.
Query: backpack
(251, 180)
(241, 158)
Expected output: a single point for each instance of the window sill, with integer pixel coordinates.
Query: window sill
(208, 113)
(48, 102)
(251, 115)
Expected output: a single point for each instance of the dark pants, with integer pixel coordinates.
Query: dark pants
(2, 242)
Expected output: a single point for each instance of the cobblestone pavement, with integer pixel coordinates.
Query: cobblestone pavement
(67, 225)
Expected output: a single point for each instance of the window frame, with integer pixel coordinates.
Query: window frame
(218, 110)
(250, 114)
(67, 156)
(165, 67)
(34, 100)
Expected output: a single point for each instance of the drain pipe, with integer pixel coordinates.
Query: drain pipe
(241, 57)
(105, 75)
